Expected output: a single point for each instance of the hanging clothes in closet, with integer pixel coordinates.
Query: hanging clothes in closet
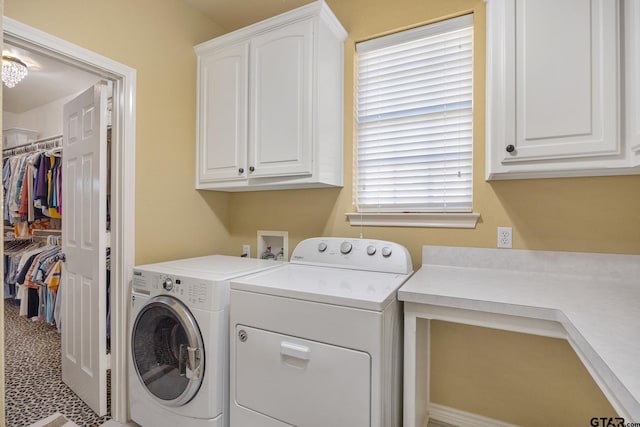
(32, 277)
(32, 184)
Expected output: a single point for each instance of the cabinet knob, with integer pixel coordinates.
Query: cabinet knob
(241, 170)
(510, 148)
(251, 168)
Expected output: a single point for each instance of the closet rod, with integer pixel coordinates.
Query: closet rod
(24, 148)
(40, 141)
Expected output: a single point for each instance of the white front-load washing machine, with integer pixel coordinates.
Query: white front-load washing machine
(179, 338)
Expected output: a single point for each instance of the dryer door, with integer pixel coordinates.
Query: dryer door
(167, 350)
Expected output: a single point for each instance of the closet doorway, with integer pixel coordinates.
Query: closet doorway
(122, 152)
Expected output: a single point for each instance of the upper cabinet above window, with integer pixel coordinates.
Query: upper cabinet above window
(270, 104)
(562, 88)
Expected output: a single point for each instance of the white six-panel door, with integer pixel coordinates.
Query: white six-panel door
(84, 358)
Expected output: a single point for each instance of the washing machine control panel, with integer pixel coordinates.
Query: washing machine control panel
(358, 254)
(194, 292)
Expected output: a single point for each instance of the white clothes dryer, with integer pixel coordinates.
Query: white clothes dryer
(179, 355)
(318, 342)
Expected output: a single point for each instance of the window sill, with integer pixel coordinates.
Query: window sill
(413, 219)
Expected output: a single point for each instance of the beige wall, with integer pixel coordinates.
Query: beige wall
(521, 379)
(155, 38)
(173, 220)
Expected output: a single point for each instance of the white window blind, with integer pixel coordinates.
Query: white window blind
(414, 120)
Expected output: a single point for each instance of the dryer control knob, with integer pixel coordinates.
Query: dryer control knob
(322, 246)
(371, 250)
(345, 248)
(386, 252)
(167, 284)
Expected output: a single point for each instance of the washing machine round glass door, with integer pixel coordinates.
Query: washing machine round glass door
(167, 350)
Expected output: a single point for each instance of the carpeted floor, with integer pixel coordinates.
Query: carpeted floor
(33, 382)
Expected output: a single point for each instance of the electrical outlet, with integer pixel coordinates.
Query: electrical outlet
(504, 237)
(246, 251)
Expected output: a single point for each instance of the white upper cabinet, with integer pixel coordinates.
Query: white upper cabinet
(222, 113)
(281, 77)
(270, 100)
(555, 81)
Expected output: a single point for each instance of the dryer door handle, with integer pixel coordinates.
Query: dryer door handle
(295, 350)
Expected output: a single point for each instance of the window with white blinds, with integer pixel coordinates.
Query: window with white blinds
(414, 120)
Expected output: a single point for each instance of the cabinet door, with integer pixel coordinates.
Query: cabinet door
(222, 114)
(552, 80)
(281, 93)
(301, 382)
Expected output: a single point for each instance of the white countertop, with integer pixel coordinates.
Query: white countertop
(596, 298)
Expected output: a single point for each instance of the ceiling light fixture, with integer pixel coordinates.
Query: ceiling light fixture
(13, 70)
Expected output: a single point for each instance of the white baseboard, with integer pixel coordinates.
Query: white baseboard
(460, 418)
